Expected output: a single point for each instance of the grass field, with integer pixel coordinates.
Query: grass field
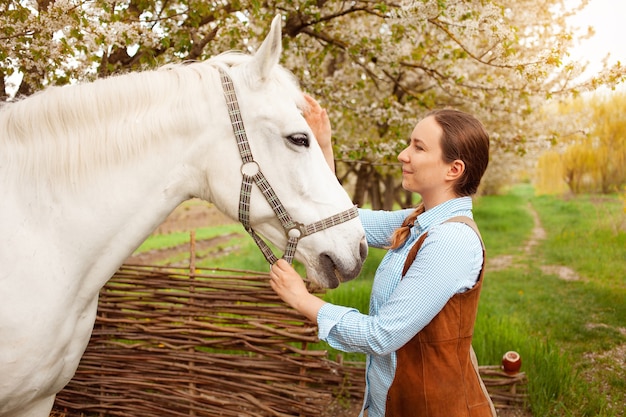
(569, 328)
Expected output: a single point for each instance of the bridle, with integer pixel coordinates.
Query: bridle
(251, 172)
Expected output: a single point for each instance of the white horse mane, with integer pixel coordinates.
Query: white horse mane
(44, 136)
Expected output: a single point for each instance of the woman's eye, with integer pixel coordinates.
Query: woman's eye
(299, 139)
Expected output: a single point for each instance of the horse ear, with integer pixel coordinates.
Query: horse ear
(268, 55)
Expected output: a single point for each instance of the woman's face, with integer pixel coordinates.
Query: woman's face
(423, 168)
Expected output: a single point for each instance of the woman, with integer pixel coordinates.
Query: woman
(417, 335)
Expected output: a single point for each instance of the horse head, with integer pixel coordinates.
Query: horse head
(283, 150)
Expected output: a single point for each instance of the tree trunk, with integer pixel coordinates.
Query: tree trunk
(389, 196)
(374, 181)
(360, 189)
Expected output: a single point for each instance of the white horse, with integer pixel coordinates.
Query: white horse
(87, 172)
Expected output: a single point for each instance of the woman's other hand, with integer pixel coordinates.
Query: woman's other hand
(290, 287)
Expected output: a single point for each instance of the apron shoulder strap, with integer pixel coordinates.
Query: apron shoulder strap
(416, 247)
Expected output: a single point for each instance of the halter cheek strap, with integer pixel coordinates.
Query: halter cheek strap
(251, 172)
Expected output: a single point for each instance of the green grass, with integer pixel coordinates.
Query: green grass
(564, 330)
(555, 324)
(171, 240)
(504, 221)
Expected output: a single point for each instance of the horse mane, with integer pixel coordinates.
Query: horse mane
(64, 134)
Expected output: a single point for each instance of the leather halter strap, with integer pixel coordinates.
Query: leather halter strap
(251, 172)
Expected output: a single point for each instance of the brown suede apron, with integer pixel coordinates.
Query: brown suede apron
(437, 372)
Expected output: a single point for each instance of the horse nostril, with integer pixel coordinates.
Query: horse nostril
(363, 249)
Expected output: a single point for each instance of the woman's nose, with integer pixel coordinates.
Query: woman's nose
(402, 156)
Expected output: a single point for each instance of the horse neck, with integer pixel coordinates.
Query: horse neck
(104, 212)
(107, 221)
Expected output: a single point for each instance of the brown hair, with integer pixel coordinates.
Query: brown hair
(465, 138)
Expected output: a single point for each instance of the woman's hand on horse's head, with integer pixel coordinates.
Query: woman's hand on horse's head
(318, 121)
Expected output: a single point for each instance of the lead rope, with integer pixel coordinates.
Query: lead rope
(251, 173)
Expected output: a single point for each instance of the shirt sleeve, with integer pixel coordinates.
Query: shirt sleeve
(379, 225)
(448, 262)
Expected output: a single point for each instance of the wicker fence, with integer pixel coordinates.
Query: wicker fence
(211, 343)
(175, 342)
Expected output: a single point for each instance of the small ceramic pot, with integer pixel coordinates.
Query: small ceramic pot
(511, 362)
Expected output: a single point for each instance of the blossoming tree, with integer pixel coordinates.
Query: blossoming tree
(377, 66)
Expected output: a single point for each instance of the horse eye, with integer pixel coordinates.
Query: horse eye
(299, 139)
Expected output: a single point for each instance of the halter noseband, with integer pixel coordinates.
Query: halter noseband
(252, 173)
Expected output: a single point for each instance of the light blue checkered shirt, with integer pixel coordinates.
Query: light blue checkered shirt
(448, 263)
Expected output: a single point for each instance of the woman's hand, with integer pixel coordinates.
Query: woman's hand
(318, 121)
(291, 289)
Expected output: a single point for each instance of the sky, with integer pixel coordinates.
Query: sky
(608, 18)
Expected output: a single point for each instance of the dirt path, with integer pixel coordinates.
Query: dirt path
(536, 236)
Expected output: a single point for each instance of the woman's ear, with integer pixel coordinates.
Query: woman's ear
(456, 170)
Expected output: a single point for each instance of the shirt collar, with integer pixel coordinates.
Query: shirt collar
(441, 213)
